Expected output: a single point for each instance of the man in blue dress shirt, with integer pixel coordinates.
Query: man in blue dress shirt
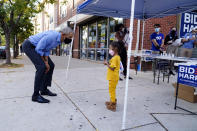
(37, 48)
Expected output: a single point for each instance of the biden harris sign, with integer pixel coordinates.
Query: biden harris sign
(188, 21)
(187, 75)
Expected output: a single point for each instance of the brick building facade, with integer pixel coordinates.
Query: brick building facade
(64, 14)
(166, 23)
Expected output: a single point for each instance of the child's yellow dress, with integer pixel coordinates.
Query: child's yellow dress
(113, 76)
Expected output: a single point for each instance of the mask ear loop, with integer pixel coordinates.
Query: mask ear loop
(70, 52)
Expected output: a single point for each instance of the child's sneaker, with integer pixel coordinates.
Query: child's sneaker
(108, 102)
(111, 106)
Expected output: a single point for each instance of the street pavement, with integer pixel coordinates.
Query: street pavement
(79, 105)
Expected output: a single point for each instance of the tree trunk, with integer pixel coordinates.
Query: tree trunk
(14, 47)
(17, 46)
(8, 56)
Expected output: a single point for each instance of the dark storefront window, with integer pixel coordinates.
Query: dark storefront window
(84, 42)
(92, 41)
(95, 38)
(102, 40)
(113, 22)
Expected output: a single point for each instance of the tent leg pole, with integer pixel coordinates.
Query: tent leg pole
(128, 64)
(138, 37)
(70, 52)
(142, 46)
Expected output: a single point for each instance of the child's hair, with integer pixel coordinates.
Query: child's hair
(116, 45)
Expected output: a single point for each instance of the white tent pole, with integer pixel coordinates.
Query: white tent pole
(70, 52)
(138, 36)
(143, 35)
(128, 64)
(142, 46)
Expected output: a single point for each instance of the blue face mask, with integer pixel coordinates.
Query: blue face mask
(157, 29)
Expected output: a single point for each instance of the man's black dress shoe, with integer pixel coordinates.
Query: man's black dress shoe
(39, 99)
(48, 93)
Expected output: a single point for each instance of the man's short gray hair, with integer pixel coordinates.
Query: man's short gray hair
(66, 30)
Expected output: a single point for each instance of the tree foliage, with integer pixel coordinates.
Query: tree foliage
(15, 19)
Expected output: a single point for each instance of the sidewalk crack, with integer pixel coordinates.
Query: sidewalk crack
(152, 114)
(139, 126)
(66, 95)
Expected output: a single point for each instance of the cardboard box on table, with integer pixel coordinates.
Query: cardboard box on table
(186, 92)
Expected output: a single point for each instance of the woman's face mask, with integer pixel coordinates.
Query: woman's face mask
(157, 29)
(111, 52)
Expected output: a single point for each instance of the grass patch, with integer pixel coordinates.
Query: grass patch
(11, 66)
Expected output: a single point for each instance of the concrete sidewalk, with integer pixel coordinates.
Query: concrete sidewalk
(79, 105)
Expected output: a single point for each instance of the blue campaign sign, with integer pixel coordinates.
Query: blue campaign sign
(188, 21)
(187, 75)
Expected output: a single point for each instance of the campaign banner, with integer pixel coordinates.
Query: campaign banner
(187, 75)
(188, 21)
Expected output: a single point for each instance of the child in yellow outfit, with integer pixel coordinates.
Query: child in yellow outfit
(113, 75)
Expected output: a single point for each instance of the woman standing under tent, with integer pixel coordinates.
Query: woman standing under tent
(169, 39)
(171, 48)
(120, 34)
